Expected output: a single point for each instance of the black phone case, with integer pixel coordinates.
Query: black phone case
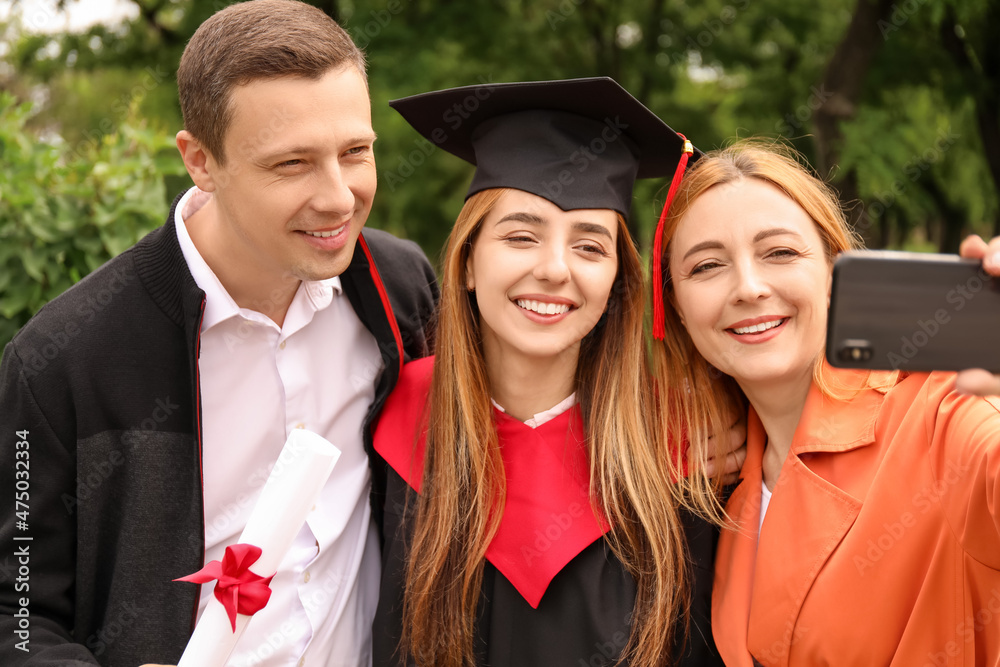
(914, 312)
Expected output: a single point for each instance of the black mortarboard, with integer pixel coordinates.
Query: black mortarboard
(580, 143)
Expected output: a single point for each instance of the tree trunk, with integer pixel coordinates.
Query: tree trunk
(651, 46)
(982, 75)
(330, 7)
(837, 97)
(952, 216)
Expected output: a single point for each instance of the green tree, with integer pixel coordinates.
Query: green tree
(65, 212)
(897, 102)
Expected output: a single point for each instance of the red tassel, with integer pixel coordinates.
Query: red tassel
(659, 317)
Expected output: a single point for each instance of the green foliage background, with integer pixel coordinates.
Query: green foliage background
(90, 167)
(64, 213)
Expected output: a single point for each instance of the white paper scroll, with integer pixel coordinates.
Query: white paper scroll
(301, 471)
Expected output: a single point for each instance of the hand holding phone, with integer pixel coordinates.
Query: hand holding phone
(913, 311)
(978, 381)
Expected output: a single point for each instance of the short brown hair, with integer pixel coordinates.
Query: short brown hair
(260, 39)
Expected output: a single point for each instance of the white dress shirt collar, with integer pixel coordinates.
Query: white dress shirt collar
(545, 415)
(219, 305)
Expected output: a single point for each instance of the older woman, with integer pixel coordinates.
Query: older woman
(866, 528)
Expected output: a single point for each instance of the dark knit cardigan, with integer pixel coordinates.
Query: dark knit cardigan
(104, 381)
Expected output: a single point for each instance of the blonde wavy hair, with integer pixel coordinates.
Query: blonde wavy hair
(698, 400)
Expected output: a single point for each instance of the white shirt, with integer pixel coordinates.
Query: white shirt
(765, 500)
(258, 382)
(546, 415)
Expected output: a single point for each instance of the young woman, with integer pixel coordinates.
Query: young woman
(866, 529)
(530, 517)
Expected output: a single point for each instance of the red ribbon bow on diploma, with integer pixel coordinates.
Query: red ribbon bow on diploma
(239, 589)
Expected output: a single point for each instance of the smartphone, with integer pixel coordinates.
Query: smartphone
(912, 311)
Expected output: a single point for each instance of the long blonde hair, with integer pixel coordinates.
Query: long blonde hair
(464, 485)
(698, 397)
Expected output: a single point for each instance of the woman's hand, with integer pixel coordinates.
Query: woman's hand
(978, 381)
(731, 462)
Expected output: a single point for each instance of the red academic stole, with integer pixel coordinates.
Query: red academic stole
(547, 519)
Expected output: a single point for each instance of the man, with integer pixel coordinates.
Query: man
(141, 411)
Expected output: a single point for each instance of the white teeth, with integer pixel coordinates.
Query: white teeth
(326, 235)
(757, 328)
(543, 308)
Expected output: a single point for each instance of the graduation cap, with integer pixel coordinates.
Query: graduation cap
(579, 143)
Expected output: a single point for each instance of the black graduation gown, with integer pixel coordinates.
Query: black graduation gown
(581, 620)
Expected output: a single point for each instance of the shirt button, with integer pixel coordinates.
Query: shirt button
(305, 577)
(281, 345)
(300, 425)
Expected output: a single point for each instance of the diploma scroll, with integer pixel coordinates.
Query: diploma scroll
(291, 490)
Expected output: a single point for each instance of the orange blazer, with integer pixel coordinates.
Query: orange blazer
(881, 542)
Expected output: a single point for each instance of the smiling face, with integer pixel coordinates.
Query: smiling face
(751, 282)
(542, 276)
(299, 177)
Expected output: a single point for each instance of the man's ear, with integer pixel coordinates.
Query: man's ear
(198, 161)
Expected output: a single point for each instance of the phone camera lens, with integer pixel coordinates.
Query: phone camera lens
(855, 351)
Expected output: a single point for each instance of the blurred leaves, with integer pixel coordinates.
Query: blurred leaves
(65, 210)
(918, 151)
(715, 70)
